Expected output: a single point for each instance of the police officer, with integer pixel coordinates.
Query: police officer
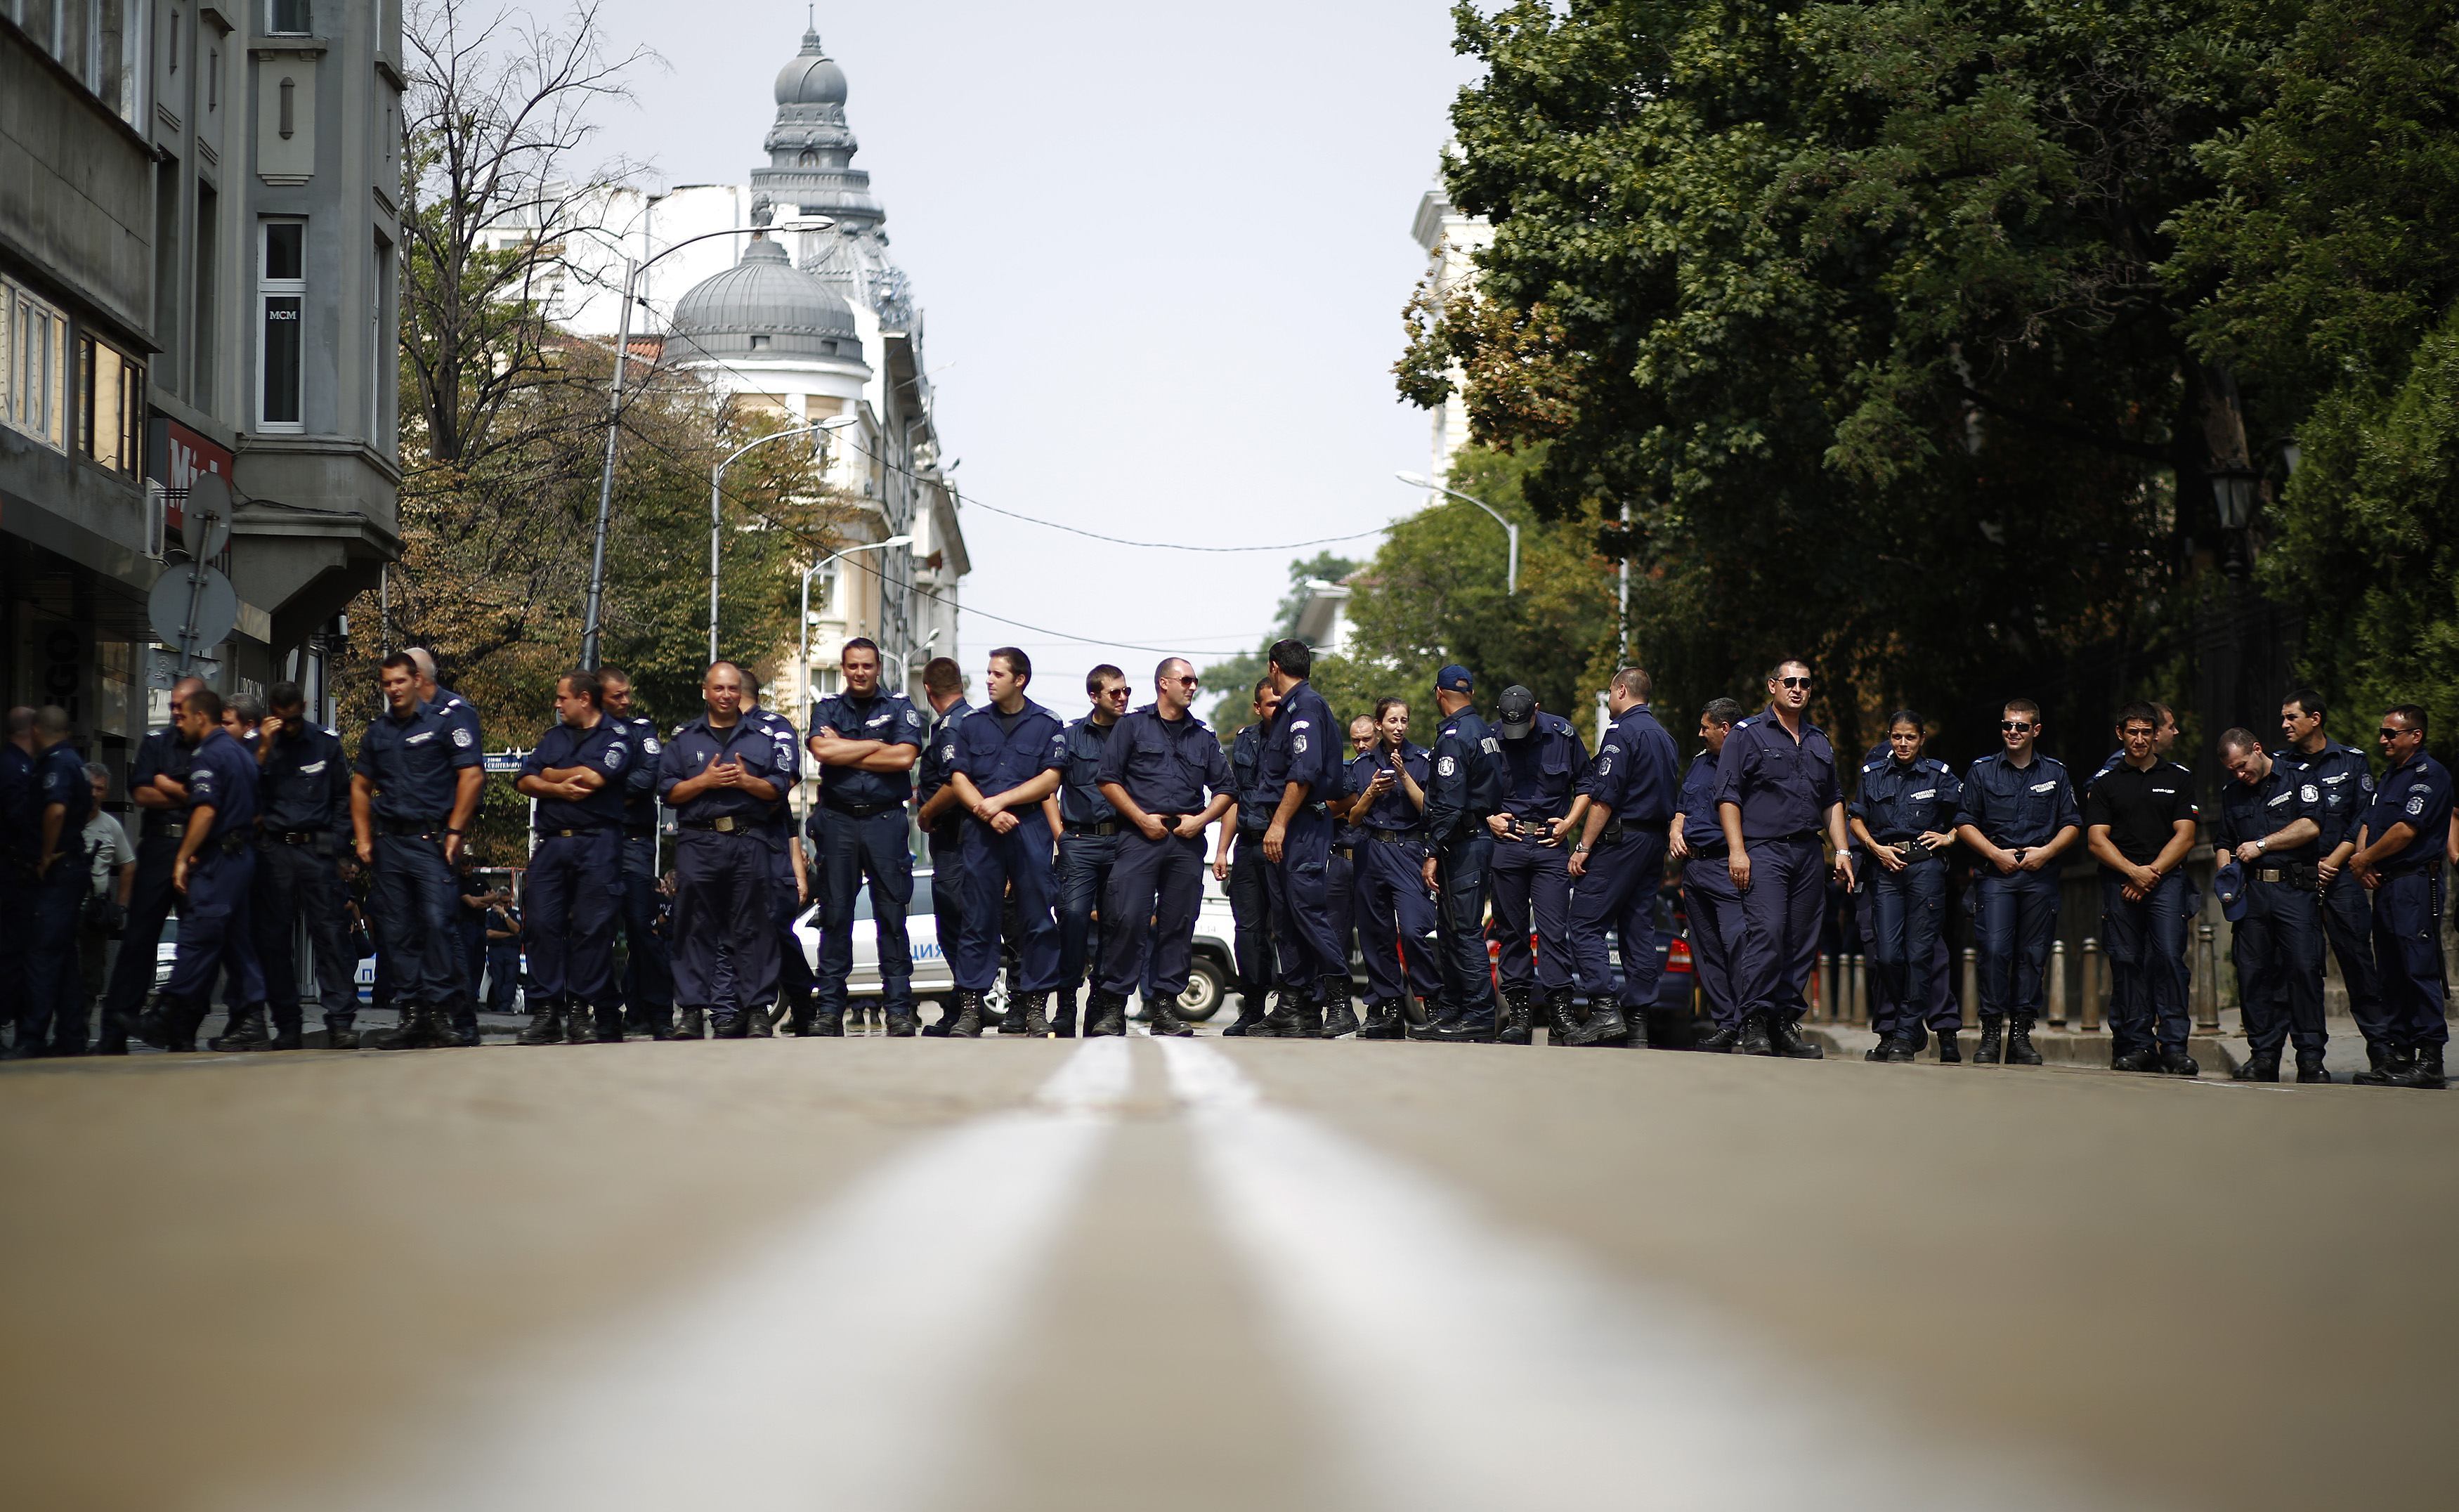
(1709, 896)
(1903, 817)
(1010, 756)
(722, 774)
(790, 881)
(1300, 771)
(1531, 875)
(1465, 788)
(1340, 880)
(213, 871)
(577, 773)
(1618, 862)
(2400, 858)
(156, 784)
(1395, 914)
(2140, 822)
(2017, 816)
(1777, 788)
(2346, 784)
(941, 819)
(52, 1017)
(648, 971)
(2270, 826)
(463, 717)
(1243, 870)
(17, 845)
(1165, 775)
(413, 792)
(304, 798)
(1087, 831)
(865, 743)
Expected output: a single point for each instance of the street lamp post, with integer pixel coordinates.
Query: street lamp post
(633, 268)
(1511, 573)
(803, 657)
(717, 519)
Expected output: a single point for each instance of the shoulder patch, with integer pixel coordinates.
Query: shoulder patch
(1446, 766)
(462, 737)
(614, 757)
(650, 744)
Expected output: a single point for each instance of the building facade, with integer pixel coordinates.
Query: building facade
(1452, 241)
(197, 235)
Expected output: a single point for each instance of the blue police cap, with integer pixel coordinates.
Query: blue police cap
(1455, 679)
(2229, 883)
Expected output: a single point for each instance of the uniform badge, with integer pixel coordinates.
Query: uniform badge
(2310, 793)
(311, 768)
(1445, 767)
(650, 746)
(462, 737)
(911, 718)
(947, 753)
(1605, 765)
(614, 757)
(1298, 743)
(2415, 807)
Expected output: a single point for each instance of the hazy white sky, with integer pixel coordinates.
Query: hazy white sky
(1161, 251)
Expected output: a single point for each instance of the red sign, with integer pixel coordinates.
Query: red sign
(174, 456)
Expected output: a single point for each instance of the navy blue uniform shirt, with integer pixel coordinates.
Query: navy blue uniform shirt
(2251, 811)
(1469, 778)
(747, 740)
(606, 749)
(788, 745)
(1545, 765)
(2017, 808)
(1247, 771)
(1393, 811)
(304, 784)
(1080, 782)
(1702, 829)
(889, 718)
(2346, 784)
(932, 770)
(19, 838)
(1635, 777)
(2418, 795)
(641, 777)
(1784, 786)
(59, 778)
(162, 754)
(1899, 802)
(221, 777)
(1304, 744)
(1169, 767)
(413, 763)
(999, 751)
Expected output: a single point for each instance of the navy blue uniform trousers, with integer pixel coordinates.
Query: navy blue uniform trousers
(947, 891)
(53, 1006)
(648, 968)
(1396, 923)
(2147, 958)
(855, 851)
(1148, 914)
(215, 934)
(1340, 903)
(2278, 947)
(1084, 862)
(1781, 917)
(2408, 946)
(1907, 914)
(994, 863)
(1617, 890)
(1459, 923)
(1532, 886)
(1714, 906)
(1250, 911)
(303, 882)
(2349, 924)
(2015, 915)
(724, 922)
(576, 889)
(150, 902)
(417, 901)
(1300, 888)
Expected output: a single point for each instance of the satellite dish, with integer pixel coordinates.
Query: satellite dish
(205, 528)
(193, 607)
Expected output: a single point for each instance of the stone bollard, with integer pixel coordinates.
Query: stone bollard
(2207, 981)
(2095, 982)
(2057, 995)
(1971, 985)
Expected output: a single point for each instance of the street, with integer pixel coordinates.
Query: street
(873, 1274)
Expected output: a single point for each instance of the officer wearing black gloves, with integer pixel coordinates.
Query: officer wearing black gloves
(1467, 786)
(304, 791)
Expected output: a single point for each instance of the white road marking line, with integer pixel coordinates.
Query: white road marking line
(820, 1375)
(1477, 1369)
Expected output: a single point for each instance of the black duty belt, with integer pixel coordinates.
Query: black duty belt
(1616, 828)
(726, 823)
(167, 829)
(1915, 852)
(573, 834)
(1382, 836)
(639, 831)
(413, 829)
(1797, 835)
(294, 837)
(1105, 826)
(1716, 852)
(233, 845)
(2300, 876)
(856, 811)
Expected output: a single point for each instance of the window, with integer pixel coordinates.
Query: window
(207, 326)
(381, 356)
(102, 42)
(282, 290)
(111, 400)
(34, 367)
(286, 17)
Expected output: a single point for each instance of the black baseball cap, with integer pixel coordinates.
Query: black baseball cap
(1516, 711)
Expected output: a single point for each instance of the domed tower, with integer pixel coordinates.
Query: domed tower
(763, 309)
(811, 172)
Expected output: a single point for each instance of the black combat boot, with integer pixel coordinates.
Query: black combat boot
(1951, 1053)
(1289, 1020)
(2175, 1061)
(690, 1023)
(2019, 1041)
(1340, 1015)
(2310, 1071)
(2143, 1057)
(1724, 1041)
(1470, 1026)
(1163, 1021)
(736, 1025)
(1754, 1037)
(2423, 1073)
(968, 1022)
(1031, 1016)
(341, 1034)
(1605, 1025)
(416, 1031)
(1515, 1028)
(1988, 1051)
(244, 1031)
(900, 1024)
(1382, 1020)
(1784, 1034)
(1062, 1015)
(1251, 1013)
(1560, 1018)
(831, 1026)
(578, 1027)
(1105, 1015)
(1894, 1050)
(1433, 1014)
(610, 1022)
(545, 1026)
(2263, 1065)
(2390, 1063)
(289, 1032)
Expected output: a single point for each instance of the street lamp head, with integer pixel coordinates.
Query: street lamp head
(1415, 480)
(896, 540)
(2233, 490)
(804, 223)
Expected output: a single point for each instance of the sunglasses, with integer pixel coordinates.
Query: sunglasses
(1184, 681)
(2016, 727)
(2388, 733)
(1801, 682)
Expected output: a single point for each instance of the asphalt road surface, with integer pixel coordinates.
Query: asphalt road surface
(885, 1275)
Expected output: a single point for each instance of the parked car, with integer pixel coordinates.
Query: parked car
(1671, 1017)
(1207, 982)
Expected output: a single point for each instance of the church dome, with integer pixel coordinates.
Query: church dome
(763, 307)
(811, 78)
